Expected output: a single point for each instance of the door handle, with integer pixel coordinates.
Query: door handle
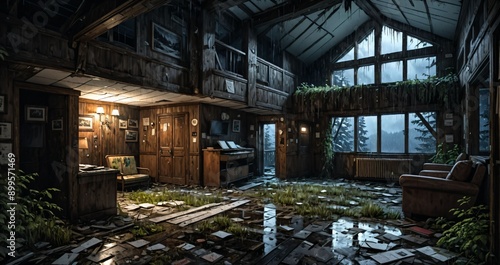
(161, 152)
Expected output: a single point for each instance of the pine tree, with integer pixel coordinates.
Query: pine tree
(427, 141)
(362, 138)
(342, 135)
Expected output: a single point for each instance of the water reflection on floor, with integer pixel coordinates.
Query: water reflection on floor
(270, 228)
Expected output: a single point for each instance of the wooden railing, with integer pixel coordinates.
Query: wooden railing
(229, 59)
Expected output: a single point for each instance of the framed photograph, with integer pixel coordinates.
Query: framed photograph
(85, 123)
(131, 136)
(133, 123)
(165, 41)
(36, 113)
(236, 125)
(3, 103)
(57, 125)
(5, 130)
(5, 149)
(122, 124)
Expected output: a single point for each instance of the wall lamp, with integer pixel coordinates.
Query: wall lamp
(106, 121)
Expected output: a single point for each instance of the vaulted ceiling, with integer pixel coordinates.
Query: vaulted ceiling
(308, 29)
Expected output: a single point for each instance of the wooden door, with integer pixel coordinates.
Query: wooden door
(172, 153)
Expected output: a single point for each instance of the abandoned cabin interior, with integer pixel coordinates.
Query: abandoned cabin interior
(211, 92)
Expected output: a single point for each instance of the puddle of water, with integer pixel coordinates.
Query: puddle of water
(270, 228)
(348, 233)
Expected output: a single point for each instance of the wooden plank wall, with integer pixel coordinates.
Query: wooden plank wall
(149, 142)
(107, 140)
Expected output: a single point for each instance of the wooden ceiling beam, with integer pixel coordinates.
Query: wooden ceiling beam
(109, 14)
(290, 10)
(371, 10)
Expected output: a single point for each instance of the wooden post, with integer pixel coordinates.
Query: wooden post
(251, 51)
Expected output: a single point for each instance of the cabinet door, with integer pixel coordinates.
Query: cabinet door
(172, 148)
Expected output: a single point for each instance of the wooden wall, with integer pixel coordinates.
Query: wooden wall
(103, 139)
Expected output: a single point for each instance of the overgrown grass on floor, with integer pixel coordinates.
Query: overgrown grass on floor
(321, 201)
(189, 198)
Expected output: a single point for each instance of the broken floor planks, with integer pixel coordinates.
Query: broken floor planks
(197, 214)
(195, 217)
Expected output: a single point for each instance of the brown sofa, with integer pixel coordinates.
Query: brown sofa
(434, 196)
(130, 174)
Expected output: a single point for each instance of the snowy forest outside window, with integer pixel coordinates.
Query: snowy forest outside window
(420, 137)
(393, 66)
(393, 138)
(484, 120)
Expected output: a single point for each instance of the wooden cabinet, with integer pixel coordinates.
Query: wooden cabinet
(96, 193)
(221, 167)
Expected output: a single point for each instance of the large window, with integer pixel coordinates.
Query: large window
(484, 120)
(362, 60)
(392, 136)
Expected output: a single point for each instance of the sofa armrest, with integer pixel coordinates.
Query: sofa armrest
(437, 184)
(434, 173)
(436, 166)
(144, 170)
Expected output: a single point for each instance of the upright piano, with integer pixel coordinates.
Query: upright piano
(225, 165)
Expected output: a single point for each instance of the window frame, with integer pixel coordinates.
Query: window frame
(379, 116)
(379, 59)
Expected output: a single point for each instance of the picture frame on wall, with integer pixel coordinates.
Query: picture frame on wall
(122, 124)
(236, 125)
(131, 136)
(3, 103)
(85, 123)
(165, 41)
(133, 123)
(5, 130)
(5, 149)
(57, 125)
(36, 113)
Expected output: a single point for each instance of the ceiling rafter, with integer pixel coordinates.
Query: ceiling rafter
(371, 10)
(305, 30)
(401, 11)
(289, 11)
(108, 14)
(428, 16)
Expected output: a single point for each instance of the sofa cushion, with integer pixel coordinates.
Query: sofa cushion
(115, 162)
(128, 165)
(134, 178)
(461, 171)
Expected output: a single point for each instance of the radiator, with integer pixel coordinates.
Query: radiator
(382, 168)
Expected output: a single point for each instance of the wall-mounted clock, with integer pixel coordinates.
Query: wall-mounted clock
(194, 122)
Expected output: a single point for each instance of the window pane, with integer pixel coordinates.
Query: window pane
(393, 138)
(420, 139)
(392, 40)
(343, 78)
(349, 56)
(366, 75)
(367, 134)
(415, 43)
(343, 134)
(392, 72)
(484, 120)
(421, 68)
(366, 48)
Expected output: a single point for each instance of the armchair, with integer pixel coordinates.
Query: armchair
(434, 196)
(440, 170)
